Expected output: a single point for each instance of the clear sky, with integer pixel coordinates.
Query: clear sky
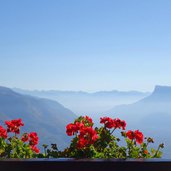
(85, 45)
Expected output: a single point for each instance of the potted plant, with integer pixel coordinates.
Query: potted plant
(88, 143)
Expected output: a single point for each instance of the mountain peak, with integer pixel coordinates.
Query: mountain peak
(162, 89)
(160, 94)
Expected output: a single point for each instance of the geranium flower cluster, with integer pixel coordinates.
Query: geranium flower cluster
(121, 124)
(86, 135)
(13, 126)
(82, 128)
(3, 132)
(33, 140)
(113, 123)
(89, 142)
(135, 135)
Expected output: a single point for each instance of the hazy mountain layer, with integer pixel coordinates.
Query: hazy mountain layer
(83, 103)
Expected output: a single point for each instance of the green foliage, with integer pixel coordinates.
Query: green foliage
(13, 147)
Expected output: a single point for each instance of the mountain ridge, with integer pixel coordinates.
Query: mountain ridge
(82, 103)
(83, 92)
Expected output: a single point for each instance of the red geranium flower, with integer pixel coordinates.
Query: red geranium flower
(82, 142)
(78, 125)
(119, 124)
(137, 135)
(3, 132)
(113, 123)
(25, 137)
(123, 124)
(35, 149)
(87, 136)
(130, 135)
(33, 139)
(14, 125)
(108, 122)
(71, 128)
(89, 119)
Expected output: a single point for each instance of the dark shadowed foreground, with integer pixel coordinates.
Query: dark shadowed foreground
(84, 165)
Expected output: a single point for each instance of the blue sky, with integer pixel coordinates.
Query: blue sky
(85, 45)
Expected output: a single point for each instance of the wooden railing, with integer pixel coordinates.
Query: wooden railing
(84, 165)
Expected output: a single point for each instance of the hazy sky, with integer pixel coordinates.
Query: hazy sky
(85, 44)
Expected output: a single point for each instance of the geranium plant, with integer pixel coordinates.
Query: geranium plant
(14, 145)
(89, 142)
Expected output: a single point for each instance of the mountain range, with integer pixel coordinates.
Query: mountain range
(83, 103)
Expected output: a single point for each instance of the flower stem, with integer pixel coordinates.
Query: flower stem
(112, 131)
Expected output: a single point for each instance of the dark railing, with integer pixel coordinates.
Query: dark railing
(84, 165)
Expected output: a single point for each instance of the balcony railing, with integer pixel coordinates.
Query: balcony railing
(84, 165)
